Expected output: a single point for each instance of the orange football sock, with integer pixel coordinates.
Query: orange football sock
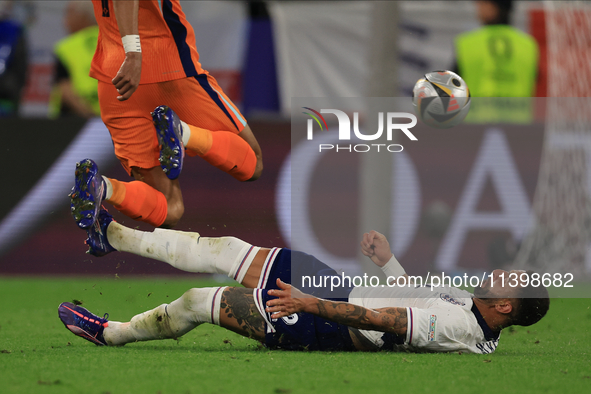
(139, 201)
(224, 150)
(199, 141)
(118, 194)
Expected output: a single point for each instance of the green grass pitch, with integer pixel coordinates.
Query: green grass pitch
(38, 355)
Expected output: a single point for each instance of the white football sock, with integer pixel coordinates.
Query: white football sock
(172, 320)
(186, 251)
(108, 187)
(186, 133)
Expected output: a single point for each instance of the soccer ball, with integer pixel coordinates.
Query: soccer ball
(441, 99)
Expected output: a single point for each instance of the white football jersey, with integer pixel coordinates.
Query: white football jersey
(442, 320)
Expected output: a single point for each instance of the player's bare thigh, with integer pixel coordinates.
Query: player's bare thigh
(239, 313)
(171, 189)
(251, 279)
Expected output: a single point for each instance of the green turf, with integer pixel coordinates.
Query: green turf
(38, 355)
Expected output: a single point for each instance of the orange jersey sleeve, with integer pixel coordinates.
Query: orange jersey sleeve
(169, 50)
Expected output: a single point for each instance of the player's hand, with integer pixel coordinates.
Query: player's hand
(127, 79)
(375, 246)
(290, 300)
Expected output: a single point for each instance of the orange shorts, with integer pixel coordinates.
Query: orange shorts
(198, 101)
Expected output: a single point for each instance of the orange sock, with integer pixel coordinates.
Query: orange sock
(200, 141)
(118, 194)
(224, 150)
(139, 201)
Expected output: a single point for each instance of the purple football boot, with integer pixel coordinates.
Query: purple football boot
(83, 323)
(170, 137)
(87, 194)
(98, 244)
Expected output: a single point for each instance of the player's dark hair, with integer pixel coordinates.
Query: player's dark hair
(533, 304)
(505, 7)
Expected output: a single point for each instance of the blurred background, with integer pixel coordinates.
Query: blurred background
(493, 191)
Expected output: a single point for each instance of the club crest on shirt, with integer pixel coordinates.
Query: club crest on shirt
(432, 326)
(451, 300)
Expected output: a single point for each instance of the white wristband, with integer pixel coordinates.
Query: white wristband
(393, 268)
(131, 43)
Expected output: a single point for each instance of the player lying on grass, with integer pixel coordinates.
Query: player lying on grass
(270, 310)
(146, 56)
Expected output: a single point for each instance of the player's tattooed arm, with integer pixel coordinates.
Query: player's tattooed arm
(392, 320)
(291, 300)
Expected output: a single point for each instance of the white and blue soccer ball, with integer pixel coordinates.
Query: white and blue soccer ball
(441, 99)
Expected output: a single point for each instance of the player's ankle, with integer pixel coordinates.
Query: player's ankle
(108, 191)
(198, 140)
(186, 133)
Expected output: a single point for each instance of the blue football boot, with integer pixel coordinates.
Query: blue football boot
(170, 137)
(98, 244)
(87, 194)
(83, 323)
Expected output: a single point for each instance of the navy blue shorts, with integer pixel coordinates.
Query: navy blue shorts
(303, 331)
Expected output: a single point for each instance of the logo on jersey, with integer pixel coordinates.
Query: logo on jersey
(432, 326)
(451, 300)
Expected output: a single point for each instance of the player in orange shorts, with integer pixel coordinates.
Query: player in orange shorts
(146, 56)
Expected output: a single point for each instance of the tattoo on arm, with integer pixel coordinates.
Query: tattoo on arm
(392, 320)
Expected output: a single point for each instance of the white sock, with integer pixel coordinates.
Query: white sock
(186, 133)
(109, 188)
(172, 320)
(186, 251)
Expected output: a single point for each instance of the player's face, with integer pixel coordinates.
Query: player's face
(502, 284)
(487, 11)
